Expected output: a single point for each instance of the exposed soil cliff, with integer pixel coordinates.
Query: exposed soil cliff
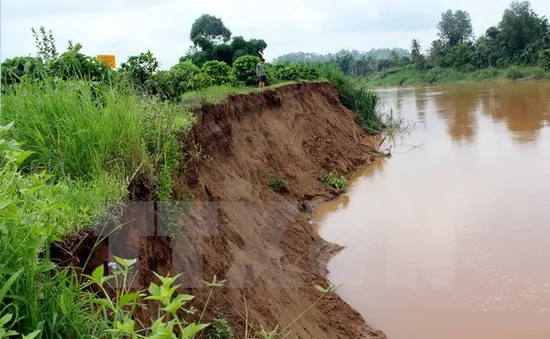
(237, 228)
(263, 240)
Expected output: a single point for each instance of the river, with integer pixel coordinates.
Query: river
(450, 237)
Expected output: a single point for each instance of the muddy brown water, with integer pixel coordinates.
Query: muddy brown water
(450, 238)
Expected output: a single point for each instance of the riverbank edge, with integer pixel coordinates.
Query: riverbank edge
(414, 77)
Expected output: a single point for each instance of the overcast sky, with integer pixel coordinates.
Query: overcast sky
(128, 27)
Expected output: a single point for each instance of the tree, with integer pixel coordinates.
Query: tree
(416, 55)
(140, 68)
(521, 26)
(455, 27)
(207, 31)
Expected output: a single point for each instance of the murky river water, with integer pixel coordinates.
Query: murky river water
(450, 238)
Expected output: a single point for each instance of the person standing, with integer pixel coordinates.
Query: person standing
(260, 72)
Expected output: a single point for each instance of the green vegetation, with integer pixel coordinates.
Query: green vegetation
(337, 181)
(87, 132)
(275, 183)
(410, 75)
(220, 329)
(518, 47)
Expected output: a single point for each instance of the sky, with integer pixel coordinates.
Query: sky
(129, 27)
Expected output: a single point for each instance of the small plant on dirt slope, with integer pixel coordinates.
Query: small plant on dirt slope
(275, 183)
(335, 180)
(220, 329)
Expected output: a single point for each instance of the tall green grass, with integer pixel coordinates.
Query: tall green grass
(83, 144)
(356, 96)
(94, 138)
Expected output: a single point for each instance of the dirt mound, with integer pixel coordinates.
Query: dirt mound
(261, 242)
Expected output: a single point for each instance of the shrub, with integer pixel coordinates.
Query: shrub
(285, 71)
(245, 69)
(275, 183)
(140, 69)
(182, 76)
(515, 73)
(22, 68)
(336, 181)
(218, 71)
(220, 329)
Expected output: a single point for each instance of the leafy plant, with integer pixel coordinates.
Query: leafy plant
(245, 69)
(220, 329)
(218, 71)
(275, 183)
(336, 181)
(121, 307)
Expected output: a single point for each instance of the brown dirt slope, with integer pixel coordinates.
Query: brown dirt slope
(238, 229)
(261, 241)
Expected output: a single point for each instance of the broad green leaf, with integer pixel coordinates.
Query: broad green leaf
(127, 298)
(4, 204)
(5, 319)
(191, 330)
(22, 157)
(97, 274)
(125, 262)
(32, 335)
(177, 303)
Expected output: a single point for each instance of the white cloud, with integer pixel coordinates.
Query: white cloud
(127, 27)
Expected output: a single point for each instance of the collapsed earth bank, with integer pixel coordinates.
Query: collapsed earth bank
(260, 241)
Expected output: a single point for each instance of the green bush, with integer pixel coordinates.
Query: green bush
(22, 68)
(285, 71)
(220, 329)
(75, 65)
(515, 73)
(182, 77)
(336, 181)
(245, 70)
(218, 71)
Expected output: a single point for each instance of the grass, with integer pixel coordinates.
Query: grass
(412, 76)
(217, 94)
(93, 140)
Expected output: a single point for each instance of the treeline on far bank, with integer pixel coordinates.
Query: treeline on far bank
(517, 47)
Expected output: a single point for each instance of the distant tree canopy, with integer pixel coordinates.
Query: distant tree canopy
(212, 41)
(455, 27)
(521, 37)
(353, 62)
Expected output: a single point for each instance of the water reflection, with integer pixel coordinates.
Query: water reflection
(523, 107)
(458, 106)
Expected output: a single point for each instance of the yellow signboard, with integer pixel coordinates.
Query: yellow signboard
(109, 60)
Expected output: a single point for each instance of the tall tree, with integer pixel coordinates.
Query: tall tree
(455, 27)
(207, 31)
(520, 28)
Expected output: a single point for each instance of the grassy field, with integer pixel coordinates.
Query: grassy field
(413, 76)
